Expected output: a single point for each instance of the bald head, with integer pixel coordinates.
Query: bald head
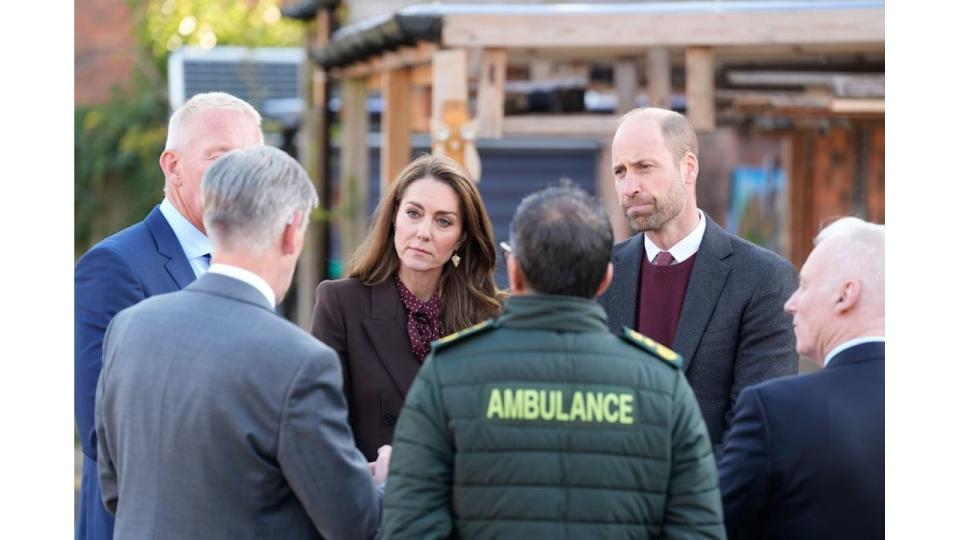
(678, 133)
(841, 293)
(856, 248)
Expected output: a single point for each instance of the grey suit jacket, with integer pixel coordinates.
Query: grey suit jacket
(732, 331)
(218, 419)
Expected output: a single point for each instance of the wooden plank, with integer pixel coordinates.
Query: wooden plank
(421, 75)
(700, 98)
(312, 154)
(422, 54)
(420, 108)
(449, 103)
(560, 125)
(395, 149)
(354, 167)
(875, 176)
(799, 185)
(625, 80)
(657, 74)
(597, 28)
(490, 95)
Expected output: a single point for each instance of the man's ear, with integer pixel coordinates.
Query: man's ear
(847, 297)
(170, 165)
(515, 277)
(605, 282)
(690, 168)
(292, 237)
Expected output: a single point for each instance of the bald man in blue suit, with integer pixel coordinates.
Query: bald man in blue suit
(163, 253)
(804, 457)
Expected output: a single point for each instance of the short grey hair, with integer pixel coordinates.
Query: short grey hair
(251, 194)
(859, 249)
(205, 102)
(677, 131)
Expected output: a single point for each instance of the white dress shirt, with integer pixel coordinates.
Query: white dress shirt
(247, 277)
(195, 245)
(850, 343)
(682, 250)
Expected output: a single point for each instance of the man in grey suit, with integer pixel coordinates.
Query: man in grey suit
(215, 417)
(716, 299)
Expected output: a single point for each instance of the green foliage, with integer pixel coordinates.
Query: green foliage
(117, 145)
(167, 25)
(116, 151)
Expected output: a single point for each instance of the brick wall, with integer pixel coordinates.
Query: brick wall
(104, 48)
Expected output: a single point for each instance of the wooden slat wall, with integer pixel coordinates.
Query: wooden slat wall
(875, 177)
(823, 170)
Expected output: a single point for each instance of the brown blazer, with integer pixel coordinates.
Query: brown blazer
(367, 326)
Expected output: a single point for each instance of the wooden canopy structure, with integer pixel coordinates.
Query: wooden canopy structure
(446, 69)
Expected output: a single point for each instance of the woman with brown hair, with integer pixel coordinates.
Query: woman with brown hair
(424, 270)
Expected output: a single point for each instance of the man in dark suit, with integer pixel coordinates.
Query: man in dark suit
(217, 418)
(713, 297)
(163, 253)
(805, 458)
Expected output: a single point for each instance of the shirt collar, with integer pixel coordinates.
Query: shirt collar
(850, 343)
(193, 242)
(682, 250)
(247, 277)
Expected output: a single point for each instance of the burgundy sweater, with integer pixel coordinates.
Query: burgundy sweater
(660, 298)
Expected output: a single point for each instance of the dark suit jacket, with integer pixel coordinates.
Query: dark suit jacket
(732, 331)
(367, 326)
(219, 419)
(804, 458)
(140, 261)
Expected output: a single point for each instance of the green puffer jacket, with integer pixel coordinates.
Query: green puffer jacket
(543, 424)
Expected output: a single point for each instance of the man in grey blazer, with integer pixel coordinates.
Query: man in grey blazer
(716, 299)
(215, 417)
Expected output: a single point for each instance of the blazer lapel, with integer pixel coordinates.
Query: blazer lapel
(707, 279)
(167, 245)
(622, 294)
(387, 330)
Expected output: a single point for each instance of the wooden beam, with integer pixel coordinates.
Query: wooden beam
(421, 75)
(586, 28)
(354, 167)
(490, 95)
(449, 107)
(560, 125)
(625, 79)
(395, 148)
(311, 268)
(419, 108)
(700, 98)
(422, 54)
(658, 77)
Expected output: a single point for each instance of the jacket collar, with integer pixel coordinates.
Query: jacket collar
(228, 287)
(872, 350)
(386, 329)
(177, 264)
(553, 312)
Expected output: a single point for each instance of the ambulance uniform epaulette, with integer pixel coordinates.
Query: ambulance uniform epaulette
(455, 337)
(656, 349)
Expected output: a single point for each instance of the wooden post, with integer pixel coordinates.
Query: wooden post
(490, 95)
(354, 166)
(658, 77)
(625, 79)
(395, 146)
(700, 100)
(449, 111)
(312, 153)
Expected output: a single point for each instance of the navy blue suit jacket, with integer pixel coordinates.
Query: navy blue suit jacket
(804, 457)
(123, 269)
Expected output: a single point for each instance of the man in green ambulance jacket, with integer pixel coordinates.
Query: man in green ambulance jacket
(542, 423)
